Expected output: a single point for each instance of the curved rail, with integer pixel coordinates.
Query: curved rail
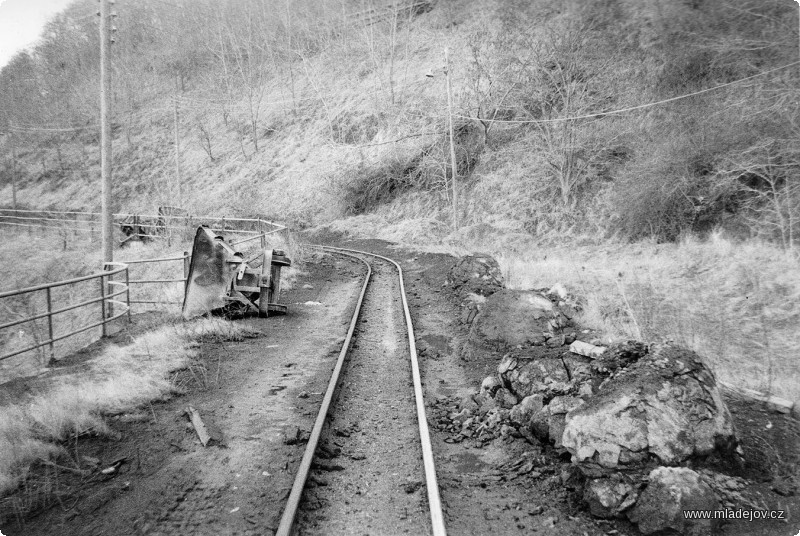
(434, 501)
(287, 519)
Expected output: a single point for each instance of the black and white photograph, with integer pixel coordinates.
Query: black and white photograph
(399, 267)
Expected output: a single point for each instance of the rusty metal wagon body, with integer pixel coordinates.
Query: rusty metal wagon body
(220, 280)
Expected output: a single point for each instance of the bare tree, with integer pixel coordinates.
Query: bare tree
(204, 135)
(250, 63)
(763, 180)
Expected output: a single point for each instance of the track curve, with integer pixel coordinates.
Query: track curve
(379, 301)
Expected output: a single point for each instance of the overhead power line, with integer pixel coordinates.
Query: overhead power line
(632, 108)
(51, 129)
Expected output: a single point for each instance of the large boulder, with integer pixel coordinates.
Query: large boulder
(476, 274)
(664, 407)
(520, 317)
(669, 493)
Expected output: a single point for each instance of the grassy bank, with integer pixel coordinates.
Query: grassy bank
(119, 379)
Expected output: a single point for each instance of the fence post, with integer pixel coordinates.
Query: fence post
(103, 302)
(128, 292)
(50, 324)
(186, 261)
(263, 236)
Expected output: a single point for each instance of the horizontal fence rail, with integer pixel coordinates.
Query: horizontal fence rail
(184, 259)
(136, 226)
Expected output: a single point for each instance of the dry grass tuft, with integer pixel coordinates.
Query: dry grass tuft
(218, 330)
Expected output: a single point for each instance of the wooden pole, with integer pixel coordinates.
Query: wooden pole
(105, 132)
(13, 176)
(452, 136)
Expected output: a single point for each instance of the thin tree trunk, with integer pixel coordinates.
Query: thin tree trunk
(13, 177)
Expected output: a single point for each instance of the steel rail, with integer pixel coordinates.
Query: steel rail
(290, 510)
(434, 500)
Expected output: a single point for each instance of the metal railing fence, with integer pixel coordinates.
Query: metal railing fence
(106, 298)
(109, 288)
(155, 225)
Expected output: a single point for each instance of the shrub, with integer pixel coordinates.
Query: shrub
(377, 184)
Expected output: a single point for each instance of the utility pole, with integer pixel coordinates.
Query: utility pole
(452, 141)
(177, 152)
(105, 130)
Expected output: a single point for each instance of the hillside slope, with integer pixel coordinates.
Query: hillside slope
(325, 111)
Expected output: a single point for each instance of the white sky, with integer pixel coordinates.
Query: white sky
(21, 22)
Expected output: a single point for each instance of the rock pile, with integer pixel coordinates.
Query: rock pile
(628, 415)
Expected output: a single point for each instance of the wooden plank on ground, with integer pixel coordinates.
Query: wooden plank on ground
(199, 425)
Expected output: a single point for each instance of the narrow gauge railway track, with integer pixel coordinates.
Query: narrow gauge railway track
(368, 466)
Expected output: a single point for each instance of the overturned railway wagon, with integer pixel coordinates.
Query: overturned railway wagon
(220, 279)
